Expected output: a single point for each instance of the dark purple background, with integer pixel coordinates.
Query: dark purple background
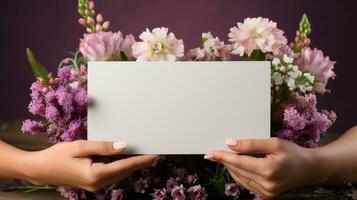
(50, 29)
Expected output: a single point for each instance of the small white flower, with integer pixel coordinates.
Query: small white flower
(291, 84)
(276, 61)
(238, 50)
(158, 45)
(294, 73)
(287, 59)
(277, 78)
(309, 77)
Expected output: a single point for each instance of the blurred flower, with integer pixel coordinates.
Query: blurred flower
(141, 185)
(170, 184)
(231, 189)
(257, 34)
(177, 193)
(68, 193)
(117, 194)
(159, 194)
(158, 45)
(197, 192)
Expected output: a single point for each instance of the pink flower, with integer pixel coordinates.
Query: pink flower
(141, 185)
(159, 194)
(127, 44)
(231, 189)
(178, 193)
(314, 62)
(117, 194)
(197, 192)
(257, 34)
(158, 45)
(101, 46)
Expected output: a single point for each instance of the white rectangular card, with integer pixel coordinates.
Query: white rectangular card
(178, 107)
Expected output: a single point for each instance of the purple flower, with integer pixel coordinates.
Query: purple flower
(117, 194)
(64, 75)
(33, 127)
(170, 184)
(140, 185)
(197, 192)
(231, 189)
(293, 119)
(159, 194)
(287, 134)
(177, 193)
(37, 107)
(68, 193)
(52, 112)
(75, 130)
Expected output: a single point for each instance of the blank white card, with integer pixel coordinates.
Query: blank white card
(178, 107)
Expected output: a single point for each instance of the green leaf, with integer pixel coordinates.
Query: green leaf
(256, 55)
(123, 56)
(37, 68)
(304, 25)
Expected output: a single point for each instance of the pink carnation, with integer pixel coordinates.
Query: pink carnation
(314, 62)
(101, 46)
(257, 34)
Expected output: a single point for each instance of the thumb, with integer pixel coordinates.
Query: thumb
(270, 145)
(88, 148)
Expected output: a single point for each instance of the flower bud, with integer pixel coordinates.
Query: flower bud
(91, 5)
(106, 25)
(89, 30)
(45, 89)
(86, 12)
(90, 21)
(82, 21)
(98, 27)
(99, 18)
(52, 81)
(292, 45)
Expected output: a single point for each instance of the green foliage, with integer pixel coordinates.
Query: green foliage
(304, 25)
(39, 70)
(256, 55)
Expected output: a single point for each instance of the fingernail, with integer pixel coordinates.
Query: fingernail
(119, 145)
(208, 156)
(231, 142)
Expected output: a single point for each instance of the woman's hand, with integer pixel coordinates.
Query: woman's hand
(70, 164)
(285, 166)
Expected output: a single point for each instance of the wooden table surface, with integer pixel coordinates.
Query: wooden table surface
(10, 133)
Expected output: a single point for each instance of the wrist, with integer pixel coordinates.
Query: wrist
(19, 165)
(322, 167)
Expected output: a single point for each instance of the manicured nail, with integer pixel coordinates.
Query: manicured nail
(208, 156)
(231, 142)
(119, 145)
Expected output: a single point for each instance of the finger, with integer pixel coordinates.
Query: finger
(89, 148)
(270, 145)
(124, 167)
(245, 184)
(245, 174)
(246, 163)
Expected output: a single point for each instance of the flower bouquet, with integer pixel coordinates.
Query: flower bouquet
(298, 74)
